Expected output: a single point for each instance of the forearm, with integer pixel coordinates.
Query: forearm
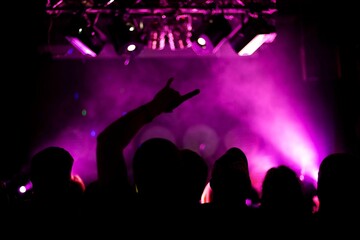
(113, 140)
(119, 133)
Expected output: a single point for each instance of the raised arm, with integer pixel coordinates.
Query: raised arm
(112, 141)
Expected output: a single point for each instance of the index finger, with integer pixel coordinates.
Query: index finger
(170, 80)
(190, 95)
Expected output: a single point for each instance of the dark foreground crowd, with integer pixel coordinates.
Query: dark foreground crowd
(162, 199)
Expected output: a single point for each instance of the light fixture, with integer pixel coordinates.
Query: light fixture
(126, 37)
(133, 25)
(156, 34)
(86, 37)
(251, 36)
(211, 35)
(179, 35)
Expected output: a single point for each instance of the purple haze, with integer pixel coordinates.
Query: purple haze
(256, 103)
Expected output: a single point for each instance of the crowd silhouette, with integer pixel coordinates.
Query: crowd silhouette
(163, 198)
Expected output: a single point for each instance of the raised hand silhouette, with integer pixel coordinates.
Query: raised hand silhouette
(156, 166)
(167, 99)
(111, 142)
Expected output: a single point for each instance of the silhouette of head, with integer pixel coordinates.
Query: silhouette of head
(282, 191)
(51, 168)
(230, 179)
(336, 181)
(195, 174)
(157, 170)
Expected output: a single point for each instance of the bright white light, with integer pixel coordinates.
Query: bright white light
(22, 189)
(109, 2)
(131, 47)
(131, 29)
(256, 42)
(201, 41)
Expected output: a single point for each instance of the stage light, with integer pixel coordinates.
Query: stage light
(179, 35)
(22, 189)
(251, 36)
(86, 37)
(126, 38)
(131, 47)
(211, 35)
(157, 39)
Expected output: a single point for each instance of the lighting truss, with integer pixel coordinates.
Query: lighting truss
(155, 24)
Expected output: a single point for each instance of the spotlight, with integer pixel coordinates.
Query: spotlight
(127, 40)
(86, 38)
(213, 35)
(179, 35)
(251, 36)
(156, 38)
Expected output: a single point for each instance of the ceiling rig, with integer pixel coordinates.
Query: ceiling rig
(132, 25)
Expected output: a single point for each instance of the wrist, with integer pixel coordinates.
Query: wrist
(151, 110)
